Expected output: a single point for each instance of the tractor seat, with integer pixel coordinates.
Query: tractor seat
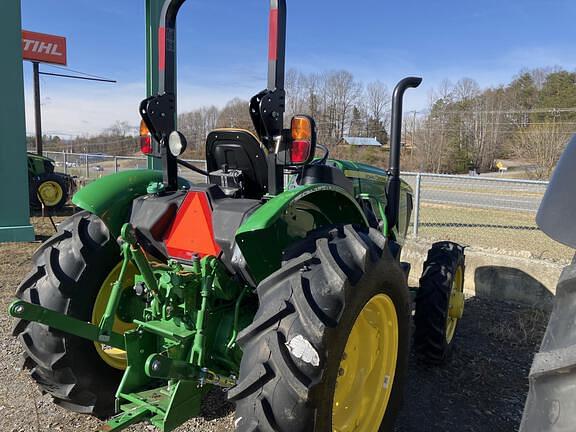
(236, 161)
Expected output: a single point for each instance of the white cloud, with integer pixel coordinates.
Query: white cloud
(74, 108)
(80, 109)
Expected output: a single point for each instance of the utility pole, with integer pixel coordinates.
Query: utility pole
(37, 109)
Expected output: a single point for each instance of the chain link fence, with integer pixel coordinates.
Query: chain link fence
(491, 213)
(88, 167)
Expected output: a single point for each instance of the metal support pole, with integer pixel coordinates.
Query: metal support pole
(37, 110)
(87, 167)
(14, 216)
(65, 159)
(115, 164)
(417, 204)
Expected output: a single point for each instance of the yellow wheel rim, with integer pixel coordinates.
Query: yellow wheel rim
(113, 356)
(456, 304)
(50, 193)
(367, 368)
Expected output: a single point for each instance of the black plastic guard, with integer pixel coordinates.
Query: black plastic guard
(153, 215)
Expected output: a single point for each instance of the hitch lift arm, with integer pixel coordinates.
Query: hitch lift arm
(102, 332)
(31, 312)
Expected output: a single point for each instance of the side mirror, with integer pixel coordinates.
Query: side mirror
(301, 141)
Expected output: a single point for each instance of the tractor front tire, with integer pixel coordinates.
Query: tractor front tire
(69, 270)
(331, 336)
(50, 189)
(439, 302)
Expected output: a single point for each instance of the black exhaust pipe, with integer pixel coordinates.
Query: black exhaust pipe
(393, 207)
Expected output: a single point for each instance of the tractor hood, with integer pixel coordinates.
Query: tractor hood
(38, 157)
(556, 214)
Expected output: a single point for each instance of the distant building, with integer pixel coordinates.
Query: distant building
(361, 141)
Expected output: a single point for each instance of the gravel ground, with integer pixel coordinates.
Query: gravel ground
(482, 389)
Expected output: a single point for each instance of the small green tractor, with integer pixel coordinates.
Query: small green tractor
(279, 280)
(47, 187)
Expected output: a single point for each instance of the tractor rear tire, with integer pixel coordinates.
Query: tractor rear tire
(295, 347)
(434, 328)
(69, 270)
(57, 185)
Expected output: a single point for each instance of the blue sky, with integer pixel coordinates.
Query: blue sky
(222, 48)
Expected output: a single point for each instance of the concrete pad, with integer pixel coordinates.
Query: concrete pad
(490, 275)
(17, 234)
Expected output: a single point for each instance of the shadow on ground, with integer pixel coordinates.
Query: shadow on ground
(511, 284)
(484, 386)
(45, 223)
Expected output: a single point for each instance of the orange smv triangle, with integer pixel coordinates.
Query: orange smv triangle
(192, 232)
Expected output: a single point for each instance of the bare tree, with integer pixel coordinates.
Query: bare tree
(197, 124)
(343, 93)
(377, 101)
(445, 91)
(542, 145)
(466, 89)
(235, 114)
(313, 84)
(119, 129)
(295, 92)
(539, 75)
(377, 110)
(211, 115)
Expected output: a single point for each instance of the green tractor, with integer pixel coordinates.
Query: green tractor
(47, 187)
(279, 280)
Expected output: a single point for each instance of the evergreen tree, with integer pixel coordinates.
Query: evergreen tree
(558, 91)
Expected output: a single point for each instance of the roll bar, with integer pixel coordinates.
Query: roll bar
(160, 111)
(167, 46)
(266, 108)
(277, 45)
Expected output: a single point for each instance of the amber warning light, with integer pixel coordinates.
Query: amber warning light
(145, 139)
(302, 131)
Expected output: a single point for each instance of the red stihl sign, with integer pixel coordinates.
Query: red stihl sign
(43, 48)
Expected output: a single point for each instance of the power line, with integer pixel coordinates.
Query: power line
(527, 111)
(86, 141)
(77, 77)
(78, 72)
(440, 130)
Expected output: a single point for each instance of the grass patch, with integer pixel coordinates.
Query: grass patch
(507, 231)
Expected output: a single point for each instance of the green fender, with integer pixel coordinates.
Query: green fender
(289, 217)
(110, 197)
